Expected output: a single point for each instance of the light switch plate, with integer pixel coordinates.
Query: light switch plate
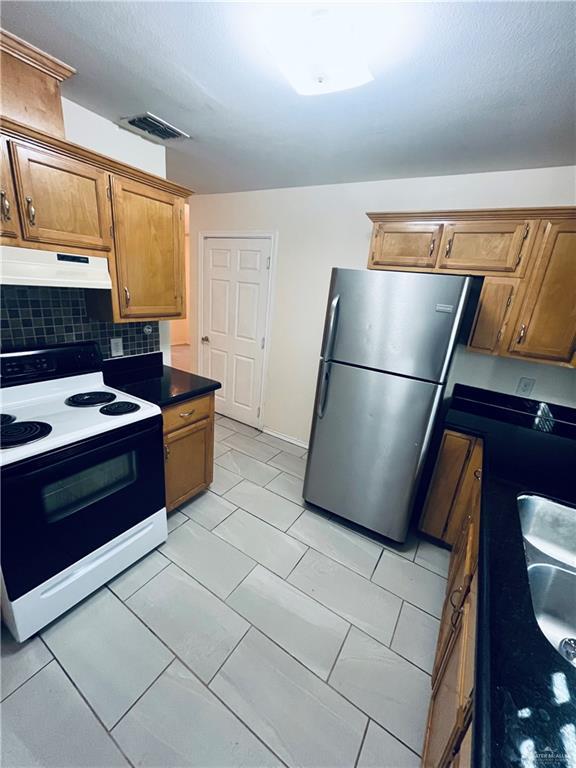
(525, 386)
(116, 347)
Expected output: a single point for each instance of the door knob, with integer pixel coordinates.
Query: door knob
(205, 339)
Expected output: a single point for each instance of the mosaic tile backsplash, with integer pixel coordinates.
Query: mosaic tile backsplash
(35, 317)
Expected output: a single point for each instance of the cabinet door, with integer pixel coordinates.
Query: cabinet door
(463, 758)
(149, 245)
(61, 200)
(404, 244)
(466, 506)
(453, 454)
(451, 693)
(493, 310)
(188, 455)
(486, 246)
(9, 224)
(546, 325)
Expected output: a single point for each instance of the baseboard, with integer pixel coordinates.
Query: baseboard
(288, 439)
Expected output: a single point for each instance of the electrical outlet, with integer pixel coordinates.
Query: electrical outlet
(525, 386)
(116, 347)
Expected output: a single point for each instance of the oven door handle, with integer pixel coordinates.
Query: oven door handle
(96, 561)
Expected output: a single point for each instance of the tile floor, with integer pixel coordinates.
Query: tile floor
(260, 634)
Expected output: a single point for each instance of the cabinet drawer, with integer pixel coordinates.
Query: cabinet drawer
(187, 412)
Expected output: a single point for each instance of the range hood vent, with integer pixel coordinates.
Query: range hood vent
(152, 127)
(28, 266)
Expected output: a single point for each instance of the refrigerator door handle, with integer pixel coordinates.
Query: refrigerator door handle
(332, 317)
(323, 393)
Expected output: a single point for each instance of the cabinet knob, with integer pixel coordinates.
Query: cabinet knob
(5, 206)
(448, 248)
(187, 413)
(166, 452)
(31, 211)
(432, 246)
(477, 474)
(127, 294)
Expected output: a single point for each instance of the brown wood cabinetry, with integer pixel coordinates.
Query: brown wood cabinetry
(149, 245)
(485, 246)
(449, 729)
(546, 323)
(494, 308)
(405, 244)
(188, 448)
(454, 487)
(61, 200)
(9, 224)
(526, 255)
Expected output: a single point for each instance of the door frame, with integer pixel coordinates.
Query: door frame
(270, 235)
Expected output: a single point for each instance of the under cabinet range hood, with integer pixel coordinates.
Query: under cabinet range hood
(28, 266)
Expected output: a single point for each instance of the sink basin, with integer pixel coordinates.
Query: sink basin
(549, 532)
(554, 599)
(549, 527)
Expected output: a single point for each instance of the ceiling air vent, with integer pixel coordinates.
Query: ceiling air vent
(152, 127)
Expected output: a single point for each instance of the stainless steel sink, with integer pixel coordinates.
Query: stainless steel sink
(549, 527)
(549, 531)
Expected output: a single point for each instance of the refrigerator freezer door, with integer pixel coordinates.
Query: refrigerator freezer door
(369, 439)
(402, 322)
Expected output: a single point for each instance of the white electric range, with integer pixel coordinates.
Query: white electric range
(82, 482)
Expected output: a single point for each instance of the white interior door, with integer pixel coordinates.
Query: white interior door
(235, 286)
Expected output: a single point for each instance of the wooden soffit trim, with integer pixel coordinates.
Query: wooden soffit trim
(478, 214)
(33, 56)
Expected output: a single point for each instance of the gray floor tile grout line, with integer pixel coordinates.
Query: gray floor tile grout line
(265, 522)
(229, 654)
(297, 564)
(362, 743)
(123, 599)
(240, 450)
(396, 623)
(376, 565)
(92, 710)
(339, 652)
(158, 676)
(259, 461)
(50, 660)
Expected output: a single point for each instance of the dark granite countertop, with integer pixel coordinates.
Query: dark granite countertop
(525, 692)
(145, 376)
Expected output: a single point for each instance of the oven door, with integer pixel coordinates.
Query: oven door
(61, 506)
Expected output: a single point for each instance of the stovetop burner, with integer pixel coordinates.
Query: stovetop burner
(6, 418)
(119, 408)
(86, 399)
(22, 432)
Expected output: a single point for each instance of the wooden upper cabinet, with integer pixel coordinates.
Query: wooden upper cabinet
(9, 224)
(404, 244)
(149, 245)
(546, 324)
(61, 200)
(493, 312)
(486, 246)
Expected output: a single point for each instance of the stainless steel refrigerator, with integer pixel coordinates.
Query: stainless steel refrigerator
(388, 341)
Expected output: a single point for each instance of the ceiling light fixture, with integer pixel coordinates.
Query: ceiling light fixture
(318, 49)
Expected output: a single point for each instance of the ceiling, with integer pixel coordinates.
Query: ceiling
(458, 87)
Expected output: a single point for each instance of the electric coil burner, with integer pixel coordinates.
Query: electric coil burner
(87, 399)
(119, 408)
(22, 432)
(82, 494)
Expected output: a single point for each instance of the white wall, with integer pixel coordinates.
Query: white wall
(95, 132)
(322, 227)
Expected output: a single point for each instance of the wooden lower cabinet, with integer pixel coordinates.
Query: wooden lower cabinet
(449, 729)
(188, 449)
(454, 486)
